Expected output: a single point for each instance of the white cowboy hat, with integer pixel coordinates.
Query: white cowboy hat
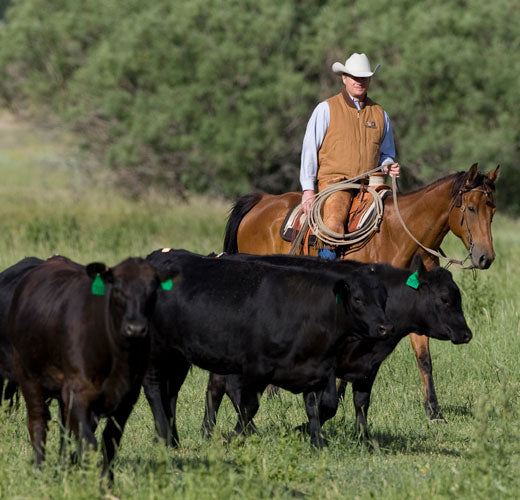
(356, 65)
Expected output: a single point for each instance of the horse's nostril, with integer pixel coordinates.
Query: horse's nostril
(483, 262)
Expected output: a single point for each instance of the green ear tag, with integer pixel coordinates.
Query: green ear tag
(413, 280)
(98, 287)
(167, 285)
(339, 300)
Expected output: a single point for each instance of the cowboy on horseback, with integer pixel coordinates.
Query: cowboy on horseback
(347, 135)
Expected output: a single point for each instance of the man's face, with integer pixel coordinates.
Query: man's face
(356, 86)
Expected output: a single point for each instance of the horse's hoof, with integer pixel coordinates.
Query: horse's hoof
(433, 413)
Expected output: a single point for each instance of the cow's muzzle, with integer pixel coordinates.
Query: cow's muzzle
(462, 338)
(385, 330)
(135, 330)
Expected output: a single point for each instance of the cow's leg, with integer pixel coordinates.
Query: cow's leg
(214, 394)
(321, 406)
(9, 393)
(361, 394)
(421, 346)
(161, 389)
(246, 400)
(155, 391)
(174, 384)
(37, 417)
(312, 403)
(64, 421)
(78, 418)
(328, 401)
(341, 388)
(114, 430)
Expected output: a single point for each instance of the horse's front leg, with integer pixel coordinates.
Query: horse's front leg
(421, 346)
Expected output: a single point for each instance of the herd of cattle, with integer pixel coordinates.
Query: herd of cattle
(91, 336)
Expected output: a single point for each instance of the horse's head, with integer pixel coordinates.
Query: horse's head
(472, 212)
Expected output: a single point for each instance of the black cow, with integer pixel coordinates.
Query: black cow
(9, 279)
(271, 324)
(80, 335)
(433, 308)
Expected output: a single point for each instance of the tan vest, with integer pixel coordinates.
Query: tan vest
(351, 144)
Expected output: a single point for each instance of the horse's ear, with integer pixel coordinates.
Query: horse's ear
(493, 175)
(472, 173)
(417, 264)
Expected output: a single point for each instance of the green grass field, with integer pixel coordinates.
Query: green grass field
(51, 205)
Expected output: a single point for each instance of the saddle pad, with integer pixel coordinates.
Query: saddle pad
(293, 222)
(363, 207)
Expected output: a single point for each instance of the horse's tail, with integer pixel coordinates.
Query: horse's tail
(242, 206)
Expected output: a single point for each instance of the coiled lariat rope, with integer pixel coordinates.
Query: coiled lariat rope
(331, 237)
(322, 232)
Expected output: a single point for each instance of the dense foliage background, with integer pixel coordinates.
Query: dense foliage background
(213, 95)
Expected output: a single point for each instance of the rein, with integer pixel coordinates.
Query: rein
(450, 261)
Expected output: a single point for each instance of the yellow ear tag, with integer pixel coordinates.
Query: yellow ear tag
(98, 286)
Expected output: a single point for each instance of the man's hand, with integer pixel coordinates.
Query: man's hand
(307, 199)
(391, 169)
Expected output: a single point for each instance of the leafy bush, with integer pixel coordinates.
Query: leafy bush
(196, 96)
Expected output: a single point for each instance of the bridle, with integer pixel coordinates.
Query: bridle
(457, 201)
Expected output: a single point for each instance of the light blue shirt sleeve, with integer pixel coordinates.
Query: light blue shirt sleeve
(315, 135)
(312, 141)
(387, 148)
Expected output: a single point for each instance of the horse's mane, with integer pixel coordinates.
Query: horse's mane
(479, 180)
(459, 183)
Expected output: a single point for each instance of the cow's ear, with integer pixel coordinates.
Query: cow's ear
(95, 268)
(98, 268)
(166, 274)
(341, 291)
(166, 278)
(417, 264)
(493, 175)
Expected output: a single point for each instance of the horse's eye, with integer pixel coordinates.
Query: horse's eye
(472, 209)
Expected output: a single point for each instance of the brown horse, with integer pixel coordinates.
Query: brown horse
(461, 203)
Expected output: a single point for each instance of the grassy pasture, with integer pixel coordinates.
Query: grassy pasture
(50, 205)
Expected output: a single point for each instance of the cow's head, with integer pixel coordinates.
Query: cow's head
(131, 288)
(439, 305)
(363, 297)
